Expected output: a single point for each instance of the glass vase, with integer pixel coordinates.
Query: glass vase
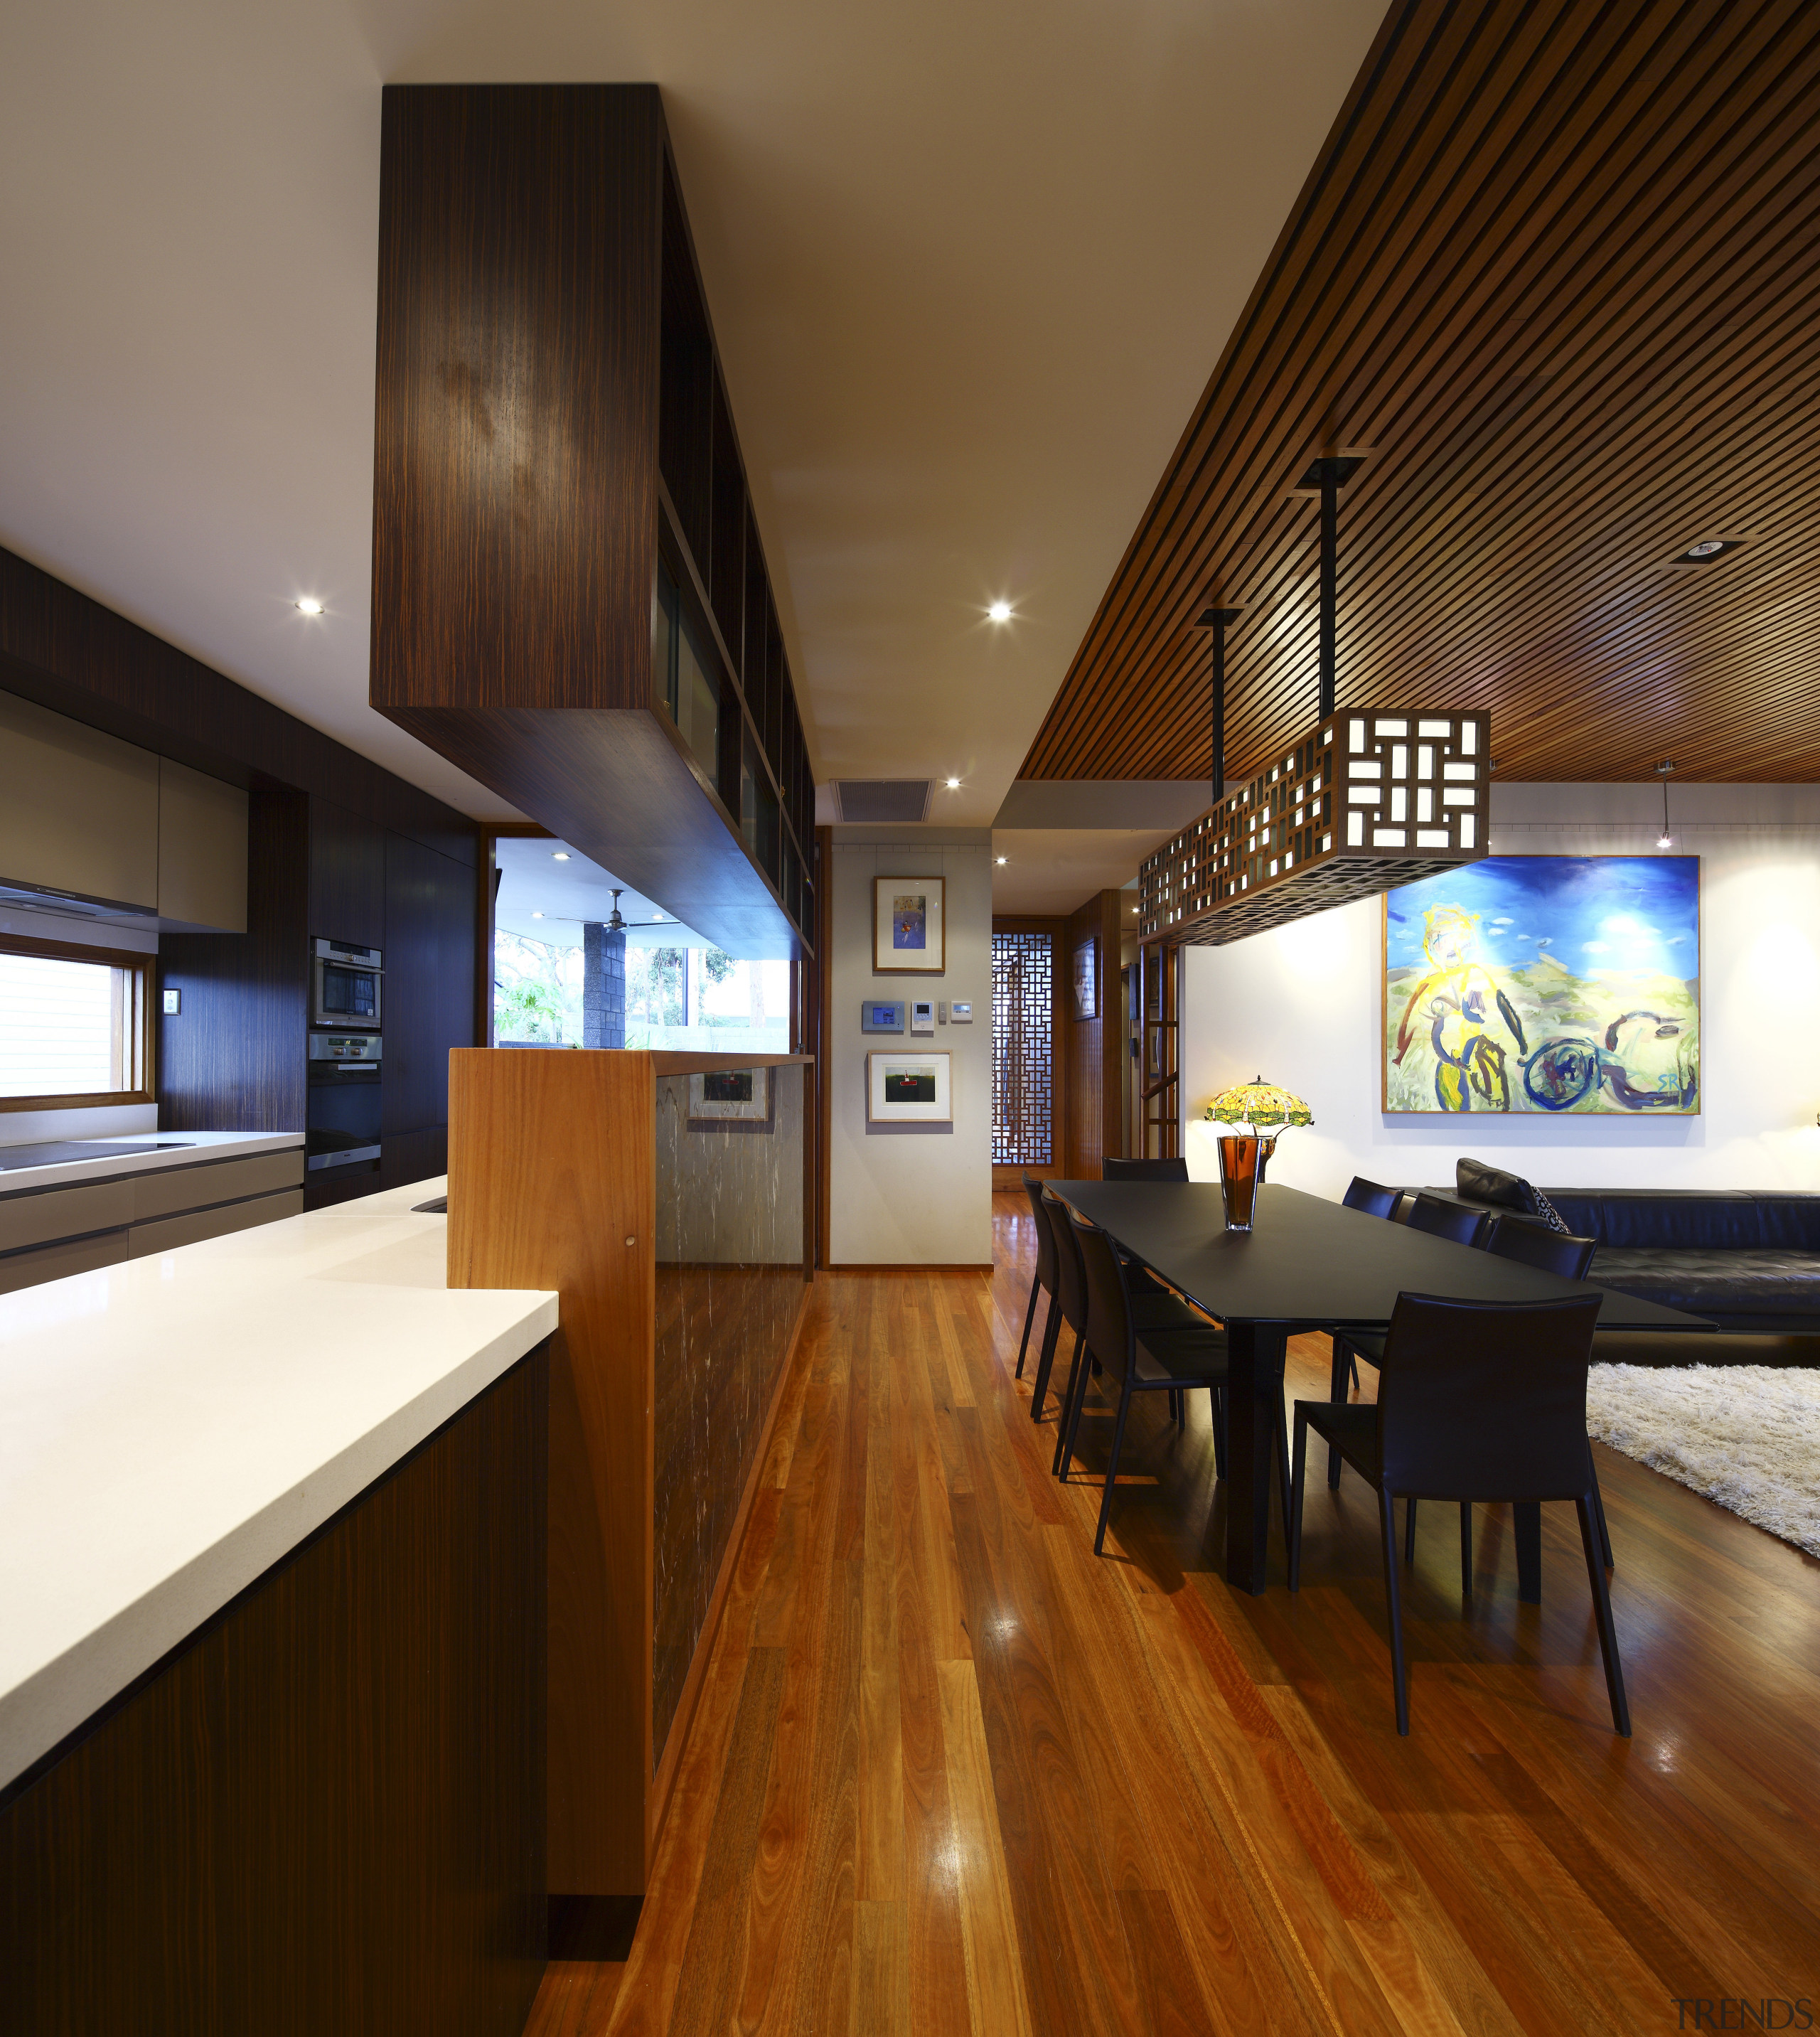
(1238, 1177)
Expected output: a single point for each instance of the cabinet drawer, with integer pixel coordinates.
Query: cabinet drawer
(217, 1182)
(52, 1262)
(166, 1233)
(56, 1213)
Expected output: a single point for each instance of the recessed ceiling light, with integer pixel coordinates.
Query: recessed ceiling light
(953, 785)
(309, 605)
(537, 916)
(998, 858)
(1000, 612)
(1710, 551)
(558, 856)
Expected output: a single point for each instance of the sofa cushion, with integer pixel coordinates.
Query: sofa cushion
(1708, 1282)
(1476, 1181)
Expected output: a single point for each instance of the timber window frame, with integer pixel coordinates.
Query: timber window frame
(133, 1043)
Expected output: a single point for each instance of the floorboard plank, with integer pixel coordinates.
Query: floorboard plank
(952, 1774)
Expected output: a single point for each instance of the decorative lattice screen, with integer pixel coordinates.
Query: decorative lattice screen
(1023, 1009)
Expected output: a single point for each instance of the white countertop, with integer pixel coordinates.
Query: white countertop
(171, 1427)
(200, 1146)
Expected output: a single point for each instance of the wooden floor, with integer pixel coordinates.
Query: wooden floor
(951, 1773)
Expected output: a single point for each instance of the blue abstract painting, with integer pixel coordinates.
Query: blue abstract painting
(1552, 984)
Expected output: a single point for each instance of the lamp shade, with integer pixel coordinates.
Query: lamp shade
(1260, 1104)
(1364, 802)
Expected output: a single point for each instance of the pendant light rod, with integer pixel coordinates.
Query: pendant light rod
(1329, 476)
(1329, 582)
(1216, 620)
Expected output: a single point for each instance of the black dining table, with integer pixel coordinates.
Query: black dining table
(1311, 1264)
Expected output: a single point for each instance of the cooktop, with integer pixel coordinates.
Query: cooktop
(60, 1152)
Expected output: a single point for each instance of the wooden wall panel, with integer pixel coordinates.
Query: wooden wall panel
(347, 876)
(325, 1812)
(538, 1199)
(1557, 267)
(430, 964)
(1092, 1104)
(234, 1058)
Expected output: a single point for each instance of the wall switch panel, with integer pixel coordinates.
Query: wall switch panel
(878, 1014)
(941, 1012)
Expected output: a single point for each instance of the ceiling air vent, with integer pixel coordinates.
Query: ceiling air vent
(883, 800)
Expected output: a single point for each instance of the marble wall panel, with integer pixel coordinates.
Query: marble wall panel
(729, 1284)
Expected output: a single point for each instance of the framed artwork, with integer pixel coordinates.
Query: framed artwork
(909, 926)
(730, 1100)
(1557, 985)
(907, 1089)
(1087, 979)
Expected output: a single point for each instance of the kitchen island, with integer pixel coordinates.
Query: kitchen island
(272, 1569)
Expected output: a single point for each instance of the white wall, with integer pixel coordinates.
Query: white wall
(911, 1194)
(1300, 1006)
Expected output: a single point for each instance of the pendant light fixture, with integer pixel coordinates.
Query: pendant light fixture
(1665, 840)
(1362, 802)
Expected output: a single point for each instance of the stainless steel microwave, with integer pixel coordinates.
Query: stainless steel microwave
(346, 984)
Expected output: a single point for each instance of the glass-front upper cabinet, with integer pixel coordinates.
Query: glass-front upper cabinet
(758, 809)
(686, 670)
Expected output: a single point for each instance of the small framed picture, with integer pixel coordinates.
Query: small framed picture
(907, 1089)
(730, 1100)
(909, 926)
(1087, 980)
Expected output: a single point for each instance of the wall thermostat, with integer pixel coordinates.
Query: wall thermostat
(962, 1014)
(922, 1014)
(878, 1015)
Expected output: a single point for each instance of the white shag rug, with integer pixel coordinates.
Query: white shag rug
(1746, 1436)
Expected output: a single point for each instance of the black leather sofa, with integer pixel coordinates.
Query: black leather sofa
(1746, 1260)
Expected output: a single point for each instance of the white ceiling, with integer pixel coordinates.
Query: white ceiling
(970, 267)
(548, 891)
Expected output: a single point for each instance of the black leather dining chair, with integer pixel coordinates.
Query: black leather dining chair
(1441, 1218)
(1551, 1252)
(1115, 1169)
(1152, 1307)
(1146, 1361)
(1042, 1280)
(1370, 1197)
(1531, 1244)
(1477, 1400)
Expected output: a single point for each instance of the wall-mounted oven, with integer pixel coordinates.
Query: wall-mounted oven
(346, 984)
(341, 1105)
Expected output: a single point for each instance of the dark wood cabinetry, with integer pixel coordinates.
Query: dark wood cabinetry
(430, 952)
(324, 1811)
(557, 465)
(347, 876)
(335, 846)
(234, 1059)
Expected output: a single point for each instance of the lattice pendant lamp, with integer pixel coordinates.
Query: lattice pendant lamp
(1366, 800)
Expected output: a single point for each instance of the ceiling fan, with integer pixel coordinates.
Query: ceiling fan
(615, 924)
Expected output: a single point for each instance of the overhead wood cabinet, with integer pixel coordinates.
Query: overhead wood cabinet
(661, 1195)
(570, 599)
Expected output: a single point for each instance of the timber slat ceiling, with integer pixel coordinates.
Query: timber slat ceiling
(1558, 269)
